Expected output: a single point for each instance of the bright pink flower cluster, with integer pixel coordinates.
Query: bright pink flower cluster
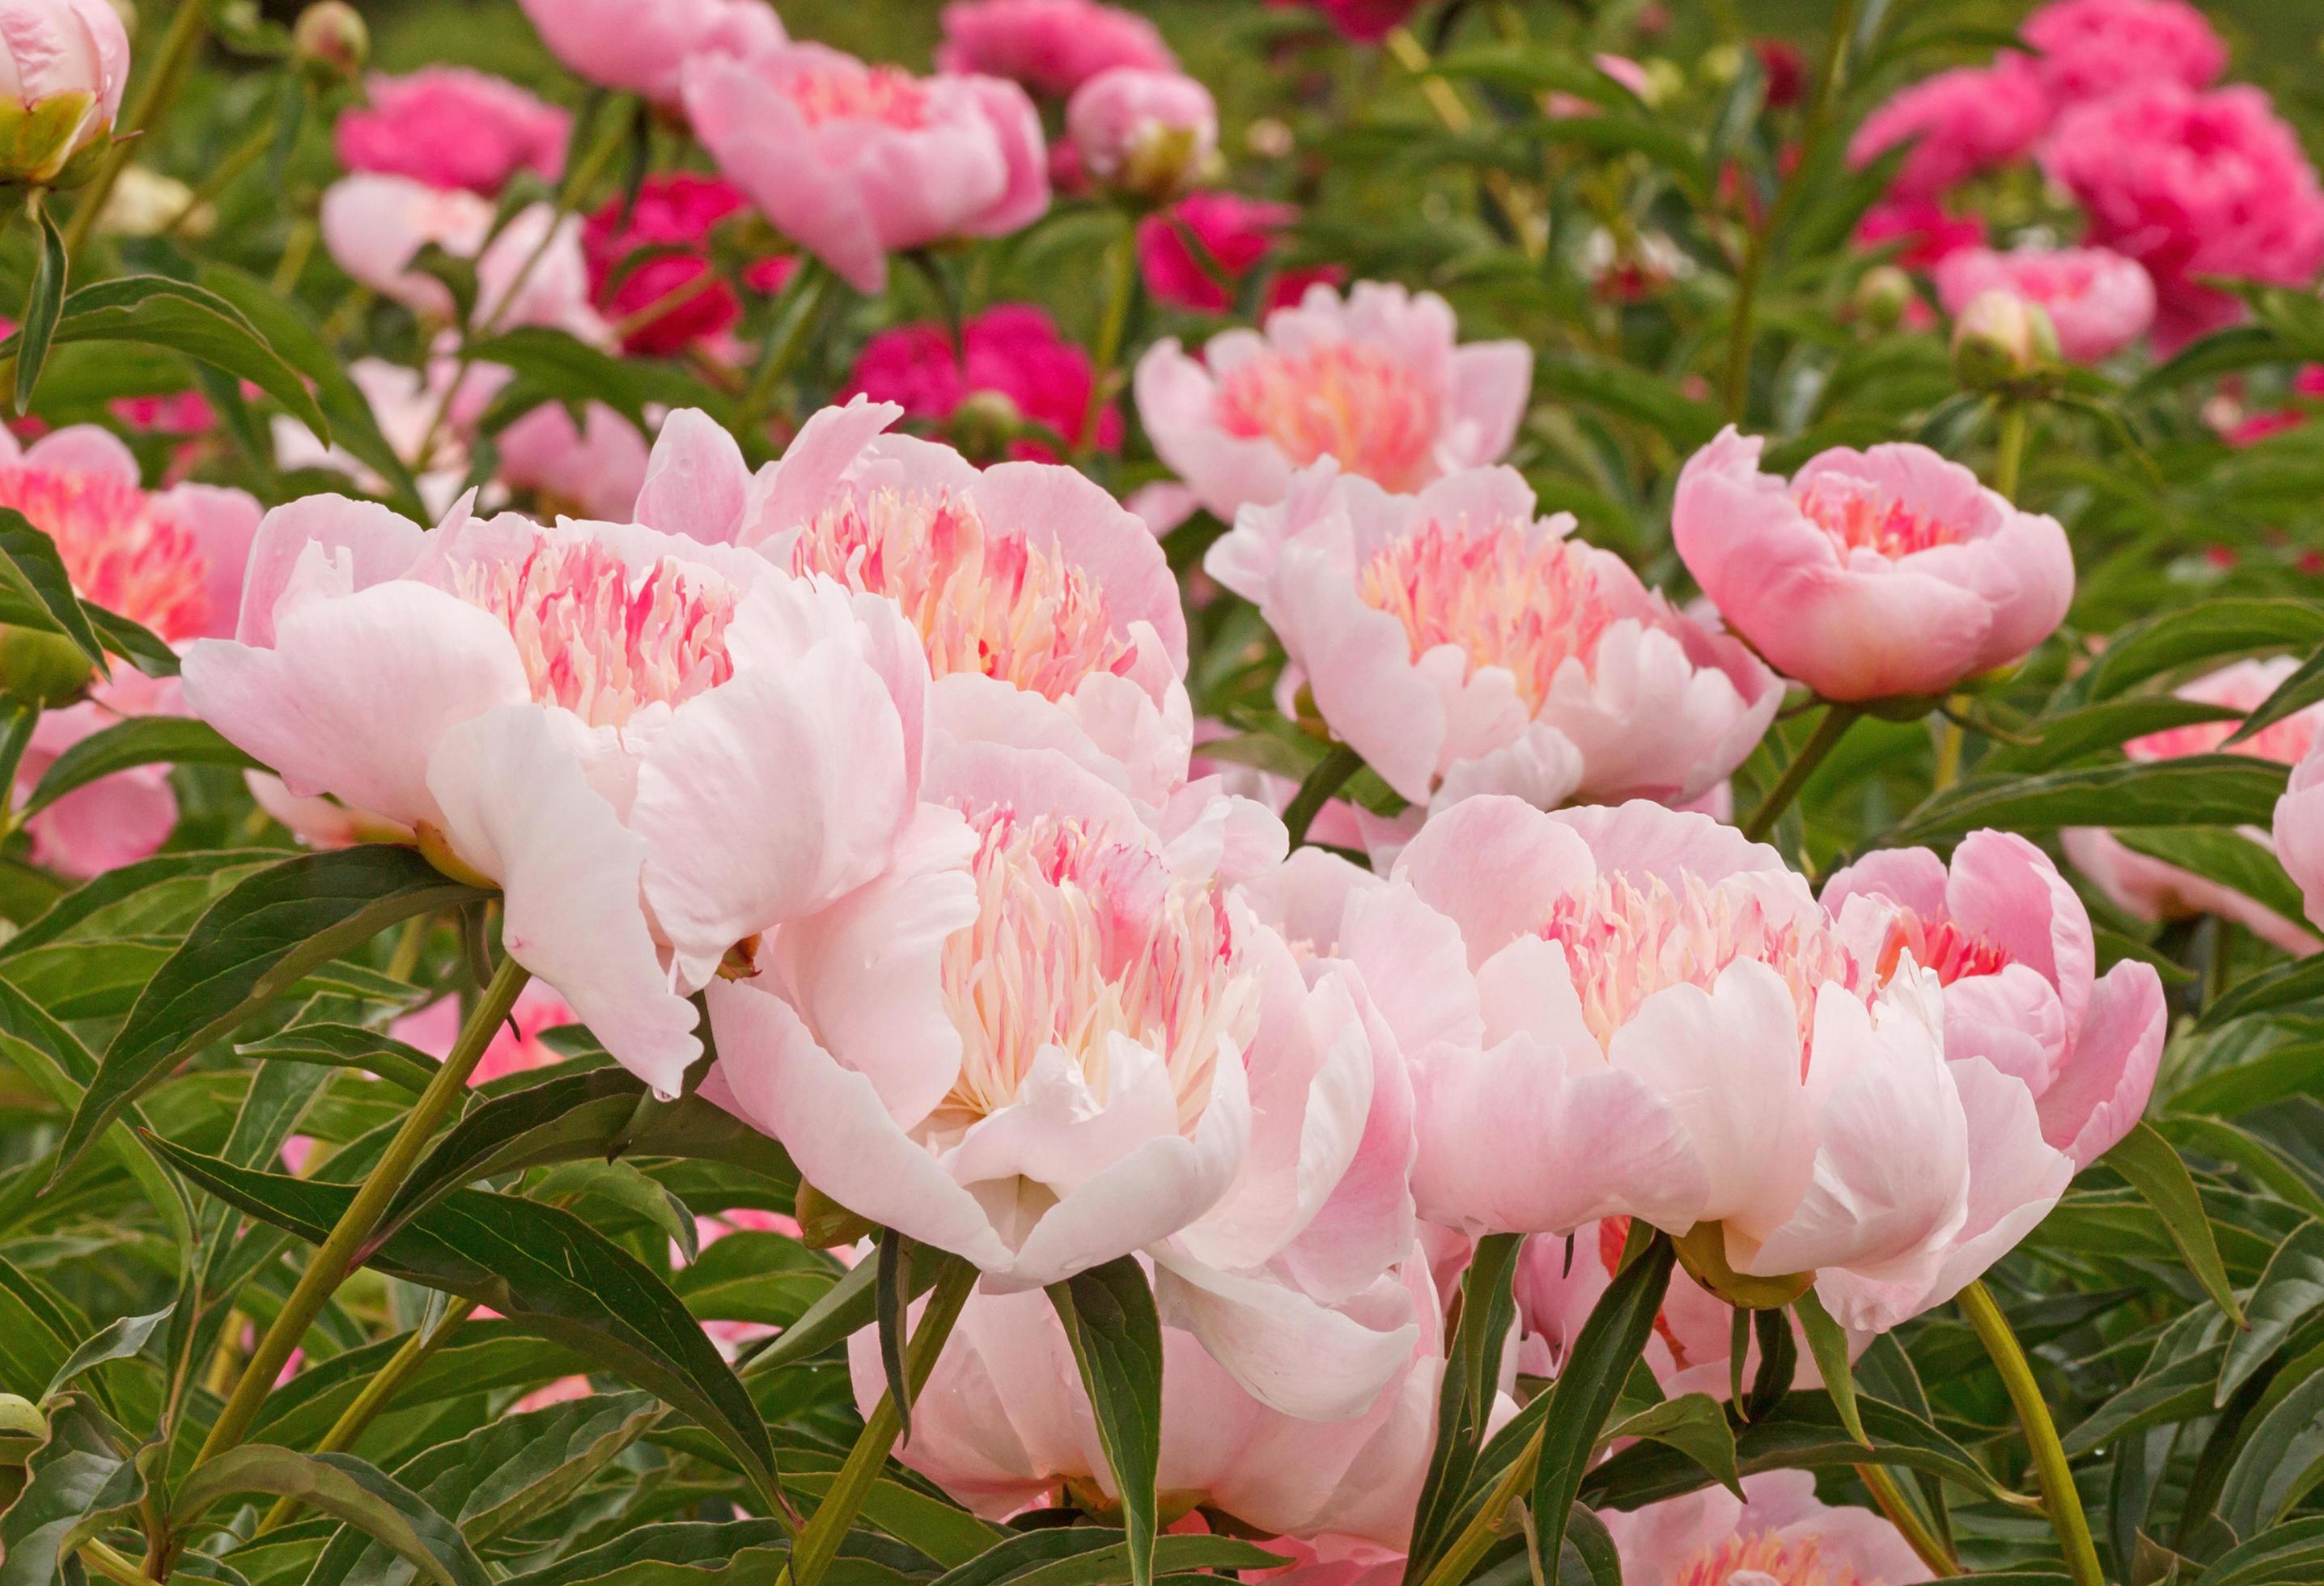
(1013, 351)
(2088, 49)
(451, 127)
(647, 257)
(1959, 123)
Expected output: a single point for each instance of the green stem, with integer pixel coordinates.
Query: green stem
(1738, 389)
(293, 262)
(1929, 1546)
(239, 159)
(2063, 1500)
(818, 1540)
(180, 45)
(329, 1265)
(1120, 293)
(1476, 1538)
(112, 1565)
(1836, 720)
(795, 316)
(18, 720)
(1329, 775)
(2011, 457)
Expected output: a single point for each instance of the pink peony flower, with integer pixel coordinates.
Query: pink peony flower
(1150, 134)
(179, 412)
(1367, 22)
(1051, 46)
(376, 226)
(2192, 185)
(1014, 349)
(516, 1046)
(620, 44)
(2098, 301)
(1239, 234)
(594, 469)
(450, 127)
(1464, 646)
(2088, 49)
(571, 714)
(1869, 574)
(1375, 382)
(63, 65)
(1960, 123)
(1930, 234)
(855, 163)
(2053, 1062)
(2250, 430)
(671, 211)
(2149, 888)
(1639, 1012)
(1777, 1534)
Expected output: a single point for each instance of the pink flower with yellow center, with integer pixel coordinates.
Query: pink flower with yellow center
(581, 715)
(1778, 1533)
(1375, 383)
(1463, 646)
(1869, 574)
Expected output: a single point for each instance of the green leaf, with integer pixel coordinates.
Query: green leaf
(2152, 1168)
(2071, 734)
(346, 1046)
(1117, 1342)
(1096, 1556)
(2291, 1552)
(1534, 69)
(116, 1340)
(1828, 1342)
(549, 360)
(65, 1478)
(1694, 1424)
(2289, 1291)
(539, 1265)
(41, 308)
(2226, 352)
(2296, 693)
(769, 1278)
(36, 1330)
(2193, 790)
(340, 1485)
(1589, 1557)
(138, 741)
(693, 1551)
(35, 589)
(1633, 393)
(847, 1308)
(1463, 1399)
(2214, 627)
(2280, 1462)
(1610, 1341)
(2225, 855)
(2285, 985)
(892, 1292)
(253, 944)
(134, 890)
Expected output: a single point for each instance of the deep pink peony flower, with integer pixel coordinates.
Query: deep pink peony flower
(1051, 46)
(1151, 134)
(855, 163)
(451, 127)
(673, 210)
(1014, 349)
(516, 1046)
(623, 44)
(2252, 428)
(1239, 234)
(1960, 123)
(1777, 1534)
(1869, 574)
(180, 412)
(1931, 234)
(2098, 301)
(1375, 382)
(2189, 185)
(2088, 49)
(1365, 21)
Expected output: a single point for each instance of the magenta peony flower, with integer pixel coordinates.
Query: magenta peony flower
(1239, 234)
(1149, 135)
(1872, 574)
(623, 44)
(451, 127)
(671, 211)
(1778, 1533)
(855, 163)
(2088, 49)
(1931, 234)
(1051, 46)
(1959, 123)
(1014, 349)
(2098, 301)
(1365, 21)
(2190, 185)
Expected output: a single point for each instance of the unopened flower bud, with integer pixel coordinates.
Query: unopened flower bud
(330, 39)
(22, 1429)
(985, 425)
(40, 668)
(1145, 134)
(1882, 297)
(2001, 342)
(63, 64)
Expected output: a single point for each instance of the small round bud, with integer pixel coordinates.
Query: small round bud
(1882, 297)
(330, 39)
(2002, 343)
(41, 669)
(22, 1429)
(986, 424)
(1151, 136)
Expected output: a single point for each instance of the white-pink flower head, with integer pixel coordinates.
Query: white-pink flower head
(622, 44)
(1462, 645)
(2098, 301)
(1778, 1533)
(530, 271)
(657, 748)
(855, 163)
(1873, 574)
(1150, 134)
(1376, 382)
(1051, 46)
(63, 65)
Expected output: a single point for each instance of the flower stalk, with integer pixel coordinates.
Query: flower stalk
(2063, 1499)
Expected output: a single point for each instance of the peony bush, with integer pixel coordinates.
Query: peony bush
(1048, 793)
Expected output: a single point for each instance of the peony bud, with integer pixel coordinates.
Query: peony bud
(44, 669)
(63, 64)
(22, 1429)
(2002, 342)
(330, 40)
(1146, 135)
(1883, 296)
(985, 425)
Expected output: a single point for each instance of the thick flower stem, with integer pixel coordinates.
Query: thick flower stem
(2063, 1501)
(795, 311)
(1329, 775)
(1120, 293)
(329, 1265)
(818, 1540)
(2011, 457)
(1476, 1538)
(1925, 1544)
(180, 45)
(1836, 720)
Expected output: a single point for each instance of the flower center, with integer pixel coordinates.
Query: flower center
(1625, 941)
(1349, 400)
(1940, 945)
(1081, 937)
(1859, 515)
(118, 548)
(983, 603)
(1529, 608)
(882, 93)
(1788, 1561)
(599, 639)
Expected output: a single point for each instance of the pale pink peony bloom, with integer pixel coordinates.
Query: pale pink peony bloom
(1462, 646)
(2298, 833)
(451, 127)
(2098, 301)
(2088, 49)
(63, 65)
(1960, 123)
(1777, 1534)
(1012, 349)
(2151, 888)
(1051, 46)
(855, 163)
(1375, 382)
(591, 470)
(1049, 615)
(2053, 1062)
(656, 748)
(115, 820)
(516, 1046)
(1869, 574)
(623, 44)
(1239, 234)
(1152, 135)
(1641, 1013)
(2193, 185)
(1003, 1425)
(375, 228)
